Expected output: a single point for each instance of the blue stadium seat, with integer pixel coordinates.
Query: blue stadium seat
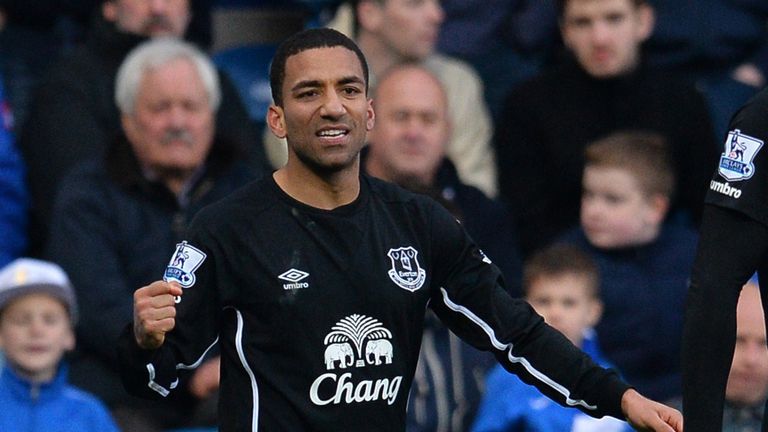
(248, 67)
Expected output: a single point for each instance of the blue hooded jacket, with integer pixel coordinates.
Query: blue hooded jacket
(54, 406)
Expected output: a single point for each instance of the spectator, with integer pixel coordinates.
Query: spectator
(644, 262)
(394, 31)
(747, 388)
(73, 116)
(37, 310)
(13, 192)
(407, 147)
(114, 218)
(562, 283)
(602, 88)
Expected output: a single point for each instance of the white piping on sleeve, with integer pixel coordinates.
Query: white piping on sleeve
(162, 391)
(254, 385)
(199, 360)
(508, 349)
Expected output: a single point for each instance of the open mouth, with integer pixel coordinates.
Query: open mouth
(333, 135)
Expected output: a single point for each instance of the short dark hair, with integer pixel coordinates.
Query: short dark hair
(561, 259)
(306, 40)
(562, 3)
(643, 154)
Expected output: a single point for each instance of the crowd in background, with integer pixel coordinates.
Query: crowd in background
(595, 124)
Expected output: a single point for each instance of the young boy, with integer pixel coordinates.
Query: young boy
(561, 283)
(644, 262)
(37, 311)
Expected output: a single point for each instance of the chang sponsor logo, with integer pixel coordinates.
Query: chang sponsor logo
(355, 341)
(725, 189)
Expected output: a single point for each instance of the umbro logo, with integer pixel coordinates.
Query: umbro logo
(294, 277)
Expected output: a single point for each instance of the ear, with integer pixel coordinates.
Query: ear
(109, 11)
(659, 205)
(276, 121)
(595, 311)
(646, 20)
(129, 125)
(68, 341)
(370, 116)
(369, 15)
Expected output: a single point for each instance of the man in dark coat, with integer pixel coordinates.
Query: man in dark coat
(114, 217)
(74, 117)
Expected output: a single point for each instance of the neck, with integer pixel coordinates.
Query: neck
(175, 180)
(35, 377)
(325, 191)
(379, 56)
(416, 183)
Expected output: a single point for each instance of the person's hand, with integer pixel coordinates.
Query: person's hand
(205, 379)
(154, 313)
(646, 415)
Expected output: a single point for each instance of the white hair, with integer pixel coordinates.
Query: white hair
(155, 53)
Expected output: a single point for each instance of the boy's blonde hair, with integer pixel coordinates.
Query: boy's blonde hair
(643, 154)
(559, 260)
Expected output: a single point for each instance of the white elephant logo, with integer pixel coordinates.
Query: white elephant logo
(378, 348)
(339, 352)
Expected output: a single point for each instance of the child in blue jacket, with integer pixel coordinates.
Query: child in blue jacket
(561, 283)
(37, 311)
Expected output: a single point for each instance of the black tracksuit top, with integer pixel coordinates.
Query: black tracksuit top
(733, 245)
(319, 314)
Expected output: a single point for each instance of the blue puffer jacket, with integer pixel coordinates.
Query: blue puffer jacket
(13, 193)
(51, 407)
(510, 405)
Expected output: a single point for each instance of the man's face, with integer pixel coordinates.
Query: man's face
(605, 35)
(172, 126)
(409, 28)
(326, 113)
(748, 380)
(149, 18)
(412, 128)
(35, 332)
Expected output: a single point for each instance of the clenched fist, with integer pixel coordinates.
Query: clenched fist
(154, 312)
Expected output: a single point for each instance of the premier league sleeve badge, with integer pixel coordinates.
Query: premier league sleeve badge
(185, 260)
(737, 160)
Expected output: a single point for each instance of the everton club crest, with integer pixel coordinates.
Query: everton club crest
(738, 155)
(405, 271)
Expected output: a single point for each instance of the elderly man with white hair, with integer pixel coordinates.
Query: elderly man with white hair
(115, 218)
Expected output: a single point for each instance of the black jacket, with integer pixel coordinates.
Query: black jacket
(319, 313)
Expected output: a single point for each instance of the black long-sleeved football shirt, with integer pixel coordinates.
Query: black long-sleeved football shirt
(319, 314)
(733, 245)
